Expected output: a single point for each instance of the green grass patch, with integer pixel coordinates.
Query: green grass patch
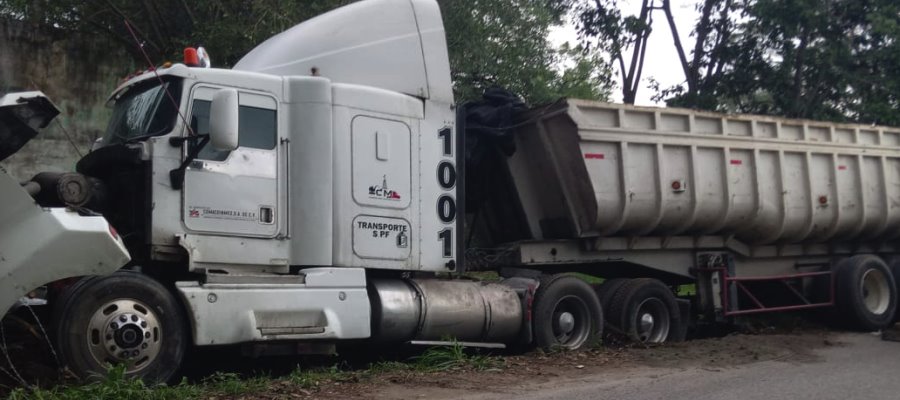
(113, 387)
(117, 385)
(309, 379)
(453, 356)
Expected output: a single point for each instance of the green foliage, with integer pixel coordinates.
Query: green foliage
(837, 60)
(114, 387)
(491, 42)
(454, 356)
(602, 24)
(313, 378)
(504, 43)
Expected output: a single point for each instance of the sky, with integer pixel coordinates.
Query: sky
(662, 59)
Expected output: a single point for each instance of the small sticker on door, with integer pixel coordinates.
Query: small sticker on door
(220, 213)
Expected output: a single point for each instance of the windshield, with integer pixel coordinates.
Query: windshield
(143, 111)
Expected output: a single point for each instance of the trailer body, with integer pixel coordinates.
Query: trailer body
(624, 171)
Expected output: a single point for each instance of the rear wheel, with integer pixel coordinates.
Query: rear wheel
(645, 311)
(895, 271)
(607, 290)
(124, 319)
(567, 314)
(866, 292)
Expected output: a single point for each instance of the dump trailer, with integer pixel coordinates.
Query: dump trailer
(759, 213)
(328, 189)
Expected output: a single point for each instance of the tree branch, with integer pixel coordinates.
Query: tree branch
(667, 10)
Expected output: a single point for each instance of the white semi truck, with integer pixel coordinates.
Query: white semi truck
(317, 192)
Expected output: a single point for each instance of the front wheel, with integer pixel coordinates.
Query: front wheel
(125, 319)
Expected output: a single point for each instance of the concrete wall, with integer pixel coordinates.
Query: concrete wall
(77, 71)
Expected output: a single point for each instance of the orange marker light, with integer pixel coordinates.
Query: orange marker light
(190, 57)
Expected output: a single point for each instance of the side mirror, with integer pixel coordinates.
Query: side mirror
(223, 120)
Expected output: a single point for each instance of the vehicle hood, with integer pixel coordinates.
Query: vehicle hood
(21, 115)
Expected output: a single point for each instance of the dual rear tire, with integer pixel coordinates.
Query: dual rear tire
(567, 314)
(642, 310)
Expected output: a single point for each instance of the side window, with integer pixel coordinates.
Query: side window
(257, 129)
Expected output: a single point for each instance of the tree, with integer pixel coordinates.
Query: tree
(713, 50)
(228, 28)
(504, 43)
(491, 42)
(600, 22)
(834, 60)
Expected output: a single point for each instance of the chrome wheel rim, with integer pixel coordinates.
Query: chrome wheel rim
(124, 331)
(652, 321)
(571, 322)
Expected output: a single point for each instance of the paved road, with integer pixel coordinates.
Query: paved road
(865, 368)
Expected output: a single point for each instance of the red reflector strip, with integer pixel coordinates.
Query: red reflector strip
(736, 162)
(842, 167)
(594, 156)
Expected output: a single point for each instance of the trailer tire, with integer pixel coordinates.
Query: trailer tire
(567, 314)
(866, 293)
(895, 271)
(607, 290)
(645, 311)
(124, 318)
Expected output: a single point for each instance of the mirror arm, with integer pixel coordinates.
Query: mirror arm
(176, 176)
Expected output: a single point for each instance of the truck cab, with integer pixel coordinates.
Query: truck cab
(298, 196)
(340, 150)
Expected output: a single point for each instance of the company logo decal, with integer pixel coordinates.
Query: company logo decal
(382, 191)
(218, 213)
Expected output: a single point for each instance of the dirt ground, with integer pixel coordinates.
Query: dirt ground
(516, 373)
(520, 372)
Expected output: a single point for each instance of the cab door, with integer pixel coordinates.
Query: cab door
(236, 192)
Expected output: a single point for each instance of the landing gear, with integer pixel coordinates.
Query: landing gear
(567, 314)
(124, 319)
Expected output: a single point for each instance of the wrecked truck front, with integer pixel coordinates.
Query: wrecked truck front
(42, 245)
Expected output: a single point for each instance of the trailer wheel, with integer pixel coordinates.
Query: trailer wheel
(895, 272)
(121, 319)
(866, 292)
(567, 314)
(645, 311)
(607, 290)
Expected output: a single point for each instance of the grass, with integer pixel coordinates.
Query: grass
(116, 385)
(452, 357)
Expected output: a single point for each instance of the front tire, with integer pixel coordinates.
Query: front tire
(567, 314)
(125, 319)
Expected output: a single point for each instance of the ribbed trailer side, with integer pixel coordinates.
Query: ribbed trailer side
(586, 169)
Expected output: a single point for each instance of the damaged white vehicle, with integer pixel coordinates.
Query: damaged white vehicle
(40, 245)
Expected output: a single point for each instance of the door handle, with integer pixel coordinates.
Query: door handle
(266, 215)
